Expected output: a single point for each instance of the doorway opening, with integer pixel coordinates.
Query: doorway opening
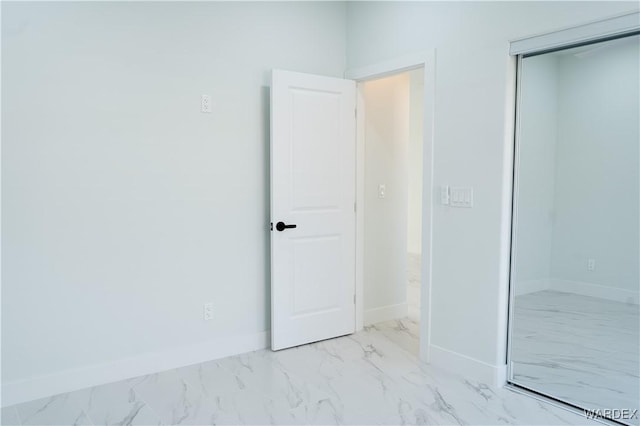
(390, 126)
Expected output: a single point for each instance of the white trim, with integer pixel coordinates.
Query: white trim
(591, 31)
(414, 313)
(38, 387)
(427, 203)
(385, 313)
(511, 256)
(502, 323)
(595, 290)
(360, 120)
(467, 367)
(427, 60)
(390, 67)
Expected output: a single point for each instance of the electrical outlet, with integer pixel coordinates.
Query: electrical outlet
(591, 264)
(208, 311)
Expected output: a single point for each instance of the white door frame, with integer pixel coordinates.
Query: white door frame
(425, 59)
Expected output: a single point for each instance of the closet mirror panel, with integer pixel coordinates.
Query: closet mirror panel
(574, 320)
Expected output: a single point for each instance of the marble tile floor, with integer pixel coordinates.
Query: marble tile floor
(579, 349)
(370, 377)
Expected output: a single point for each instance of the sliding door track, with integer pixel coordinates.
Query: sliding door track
(562, 404)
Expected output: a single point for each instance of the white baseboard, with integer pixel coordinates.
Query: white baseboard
(79, 378)
(595, 290)
(385, 313)
(414, 313)
(531, 286)
(471, 368)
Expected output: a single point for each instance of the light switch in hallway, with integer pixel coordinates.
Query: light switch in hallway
(382, 190)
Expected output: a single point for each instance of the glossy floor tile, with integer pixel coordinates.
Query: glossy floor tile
(370, 377)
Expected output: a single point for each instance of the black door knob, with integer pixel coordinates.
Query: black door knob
(280, 226)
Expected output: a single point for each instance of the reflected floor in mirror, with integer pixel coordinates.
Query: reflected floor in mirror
(371, 377)
(580, 349)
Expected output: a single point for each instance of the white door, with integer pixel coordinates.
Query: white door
(313, 147)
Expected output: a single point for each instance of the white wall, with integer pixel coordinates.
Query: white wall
(538, 109)
(474, 76)
(597, 185)
(414, 166)
(385, 221)
(124, 207)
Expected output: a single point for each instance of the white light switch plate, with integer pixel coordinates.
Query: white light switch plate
(461, 196)
(382, 190)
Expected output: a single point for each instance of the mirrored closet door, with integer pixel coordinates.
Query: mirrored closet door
(574, 313)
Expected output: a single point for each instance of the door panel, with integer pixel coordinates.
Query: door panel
(316, 288)
(312, 187)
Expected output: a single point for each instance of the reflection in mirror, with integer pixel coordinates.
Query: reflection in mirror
(575, 262)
